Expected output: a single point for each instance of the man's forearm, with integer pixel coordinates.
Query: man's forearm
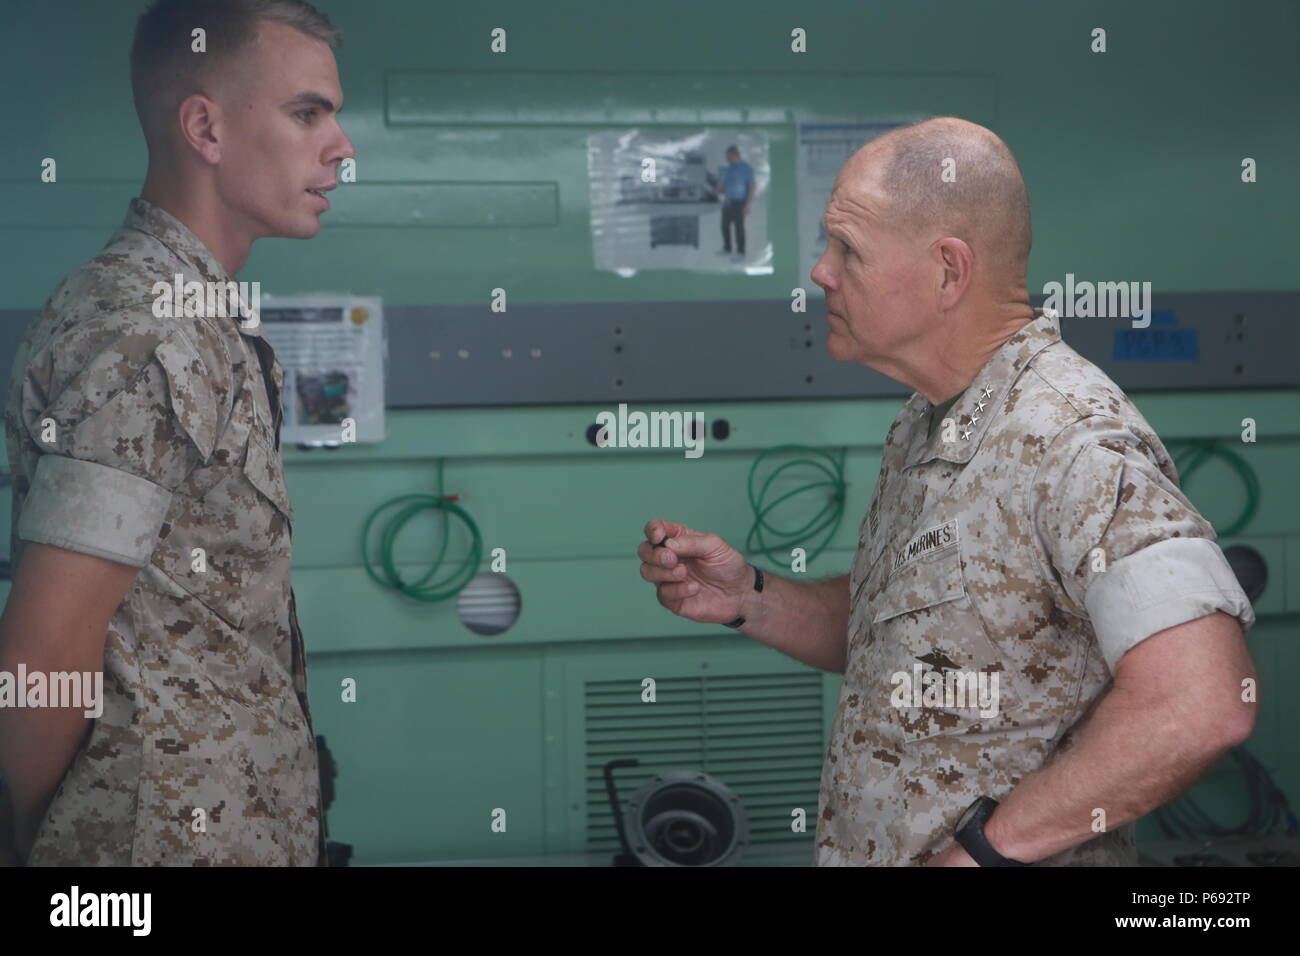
(55, 621)
(1126, 760)
(37, 745)
(807, 620)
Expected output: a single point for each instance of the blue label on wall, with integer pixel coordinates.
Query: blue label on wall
(1158, 343)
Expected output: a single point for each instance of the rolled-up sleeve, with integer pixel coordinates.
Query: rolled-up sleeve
(1126, 547)
(93, 509)
(1161, 586)
(117, 442)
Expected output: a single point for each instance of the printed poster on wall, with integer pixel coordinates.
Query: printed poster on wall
(662, 200)
(333, 350)
(821, 147)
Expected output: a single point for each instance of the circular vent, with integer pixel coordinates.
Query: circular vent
(489, 604)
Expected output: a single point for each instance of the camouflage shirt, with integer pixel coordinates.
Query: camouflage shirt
(1037, 545)
(154, 442)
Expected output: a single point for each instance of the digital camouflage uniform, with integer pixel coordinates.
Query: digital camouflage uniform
(976, 556)
(166, 440)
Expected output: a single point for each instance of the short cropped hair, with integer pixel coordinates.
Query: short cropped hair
(164, 70)
(985, 204)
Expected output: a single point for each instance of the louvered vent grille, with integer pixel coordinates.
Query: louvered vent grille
(760, 734)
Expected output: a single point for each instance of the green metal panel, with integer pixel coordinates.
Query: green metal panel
(429, 98)
(432, 746)
(1132, 158)
(1125, 175)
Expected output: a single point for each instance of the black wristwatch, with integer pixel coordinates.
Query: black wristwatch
(970, 834)
(758, 586)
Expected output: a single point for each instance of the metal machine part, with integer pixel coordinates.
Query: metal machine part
(678, 818)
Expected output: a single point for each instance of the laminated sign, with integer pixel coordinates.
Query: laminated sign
(332, 349)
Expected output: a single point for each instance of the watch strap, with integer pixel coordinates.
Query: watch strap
(972, 839)
(758, 586)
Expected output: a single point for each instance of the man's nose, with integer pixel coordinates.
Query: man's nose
(346, 150)
(820, 274)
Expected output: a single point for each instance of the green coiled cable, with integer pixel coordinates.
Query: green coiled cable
(1194, 453)
(412, 505)
(832, 469)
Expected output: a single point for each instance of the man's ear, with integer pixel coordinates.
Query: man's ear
(956, 262)
(198, 118)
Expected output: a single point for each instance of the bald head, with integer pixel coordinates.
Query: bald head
(982, 200)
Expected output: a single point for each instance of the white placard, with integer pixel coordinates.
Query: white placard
(333, 350)
(822, 147)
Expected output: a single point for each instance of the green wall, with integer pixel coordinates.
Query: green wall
(1132, 158)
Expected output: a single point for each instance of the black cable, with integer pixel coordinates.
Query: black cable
(1183, 818)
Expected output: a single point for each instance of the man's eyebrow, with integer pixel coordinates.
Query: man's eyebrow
(314, 99)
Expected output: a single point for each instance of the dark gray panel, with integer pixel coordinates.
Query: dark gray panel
(710, 351)
(1243, 339)
(737, 350)
(661, 351)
